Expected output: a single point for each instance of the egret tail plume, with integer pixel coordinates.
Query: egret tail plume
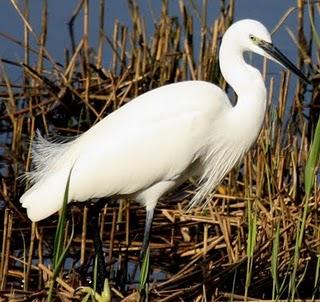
(46, 156)
(38, 200)
(48, 177)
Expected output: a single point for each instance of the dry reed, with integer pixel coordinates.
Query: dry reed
(196, 256)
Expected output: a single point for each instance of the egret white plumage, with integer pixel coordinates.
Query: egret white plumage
(162, 137)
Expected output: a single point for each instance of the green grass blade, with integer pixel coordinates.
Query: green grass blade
(313, 26)
(296, 258)
(312, 161)
(106, 294)
(251, 244)
(58, 239)
(275, 262)
(316, 279)
(59, 252)
(310, 170)
(145, 269)
(86, 297)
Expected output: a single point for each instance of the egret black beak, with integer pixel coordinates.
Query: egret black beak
(275, 53)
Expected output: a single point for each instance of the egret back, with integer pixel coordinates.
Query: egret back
(154, 138)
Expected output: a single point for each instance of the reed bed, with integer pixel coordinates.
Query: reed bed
(258, 239)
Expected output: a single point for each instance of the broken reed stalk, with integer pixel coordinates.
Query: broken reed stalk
(192, 247)
(5, 251)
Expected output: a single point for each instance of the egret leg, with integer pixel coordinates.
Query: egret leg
(144, 256)
(146, 240)
(94, 211)
(147, 231)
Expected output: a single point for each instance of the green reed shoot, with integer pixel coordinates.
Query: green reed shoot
(105, 296)
(92, 293)
(251, 243)
(315, 34)
(59, 251)
(312, 163)
(296, 257)
(314, 155)
(275, 262)
(309, 177)
(310, 172)
(144, 273)
(316, 279)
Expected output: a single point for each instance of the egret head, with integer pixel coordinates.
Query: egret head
(253, 36)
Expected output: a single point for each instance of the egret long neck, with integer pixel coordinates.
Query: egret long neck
(242, 77)
(249, 86)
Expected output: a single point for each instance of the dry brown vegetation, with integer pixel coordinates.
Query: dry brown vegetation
(196, 256)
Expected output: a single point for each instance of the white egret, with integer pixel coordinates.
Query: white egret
(162, 137)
